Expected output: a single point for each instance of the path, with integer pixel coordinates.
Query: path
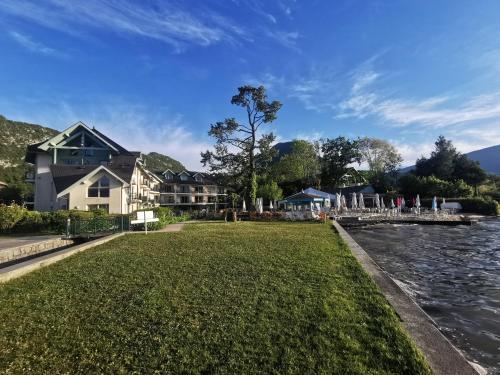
(14, 241)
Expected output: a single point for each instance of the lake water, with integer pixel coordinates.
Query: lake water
(453, 273)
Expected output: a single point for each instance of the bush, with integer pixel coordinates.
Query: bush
(430, 186)
(165, 216)
(472, 205)
(10, 215)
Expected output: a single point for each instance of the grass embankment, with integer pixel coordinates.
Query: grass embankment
(225, 298)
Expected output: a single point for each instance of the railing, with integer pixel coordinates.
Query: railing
(97, 226)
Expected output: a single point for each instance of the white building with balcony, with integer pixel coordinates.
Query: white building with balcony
(81, 168)
(189, 189)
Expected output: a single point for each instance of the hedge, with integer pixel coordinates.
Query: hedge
(475, 205)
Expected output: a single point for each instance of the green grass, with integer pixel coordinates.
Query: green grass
(216, 298)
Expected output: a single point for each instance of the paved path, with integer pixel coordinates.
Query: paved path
(8, 242)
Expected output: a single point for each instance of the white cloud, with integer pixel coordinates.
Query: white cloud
(161, 20)
(433, 112)
(33, 46)
(285, 38)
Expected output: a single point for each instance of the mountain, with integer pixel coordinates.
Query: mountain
(283, 148)
(156, 162)
(488, 158)
(14, 137)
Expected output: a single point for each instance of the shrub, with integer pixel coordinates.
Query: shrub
(10, 215)
(475, 205)
(32, 221)
(430, 186)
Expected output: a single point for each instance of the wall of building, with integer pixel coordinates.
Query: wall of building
(45, 197)
(79, 200)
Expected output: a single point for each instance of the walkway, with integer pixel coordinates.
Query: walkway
(14, 241)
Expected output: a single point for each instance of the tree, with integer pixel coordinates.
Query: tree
(240, 150)
(441, 162)
(381, 156)
(271, 191)
(447, 164)
(338, 155)
(300, 164)
(469, 171)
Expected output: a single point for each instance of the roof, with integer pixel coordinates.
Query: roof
(66, 175)
(303, 197)
(207, 178)
(42, 146)
(355, 189)
(3, 183)
(318, 193)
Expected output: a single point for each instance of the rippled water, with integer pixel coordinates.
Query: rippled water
(454, 275)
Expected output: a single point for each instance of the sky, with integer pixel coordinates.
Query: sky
(154, 75)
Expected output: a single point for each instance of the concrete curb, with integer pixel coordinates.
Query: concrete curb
(440, 353)
(20, 269)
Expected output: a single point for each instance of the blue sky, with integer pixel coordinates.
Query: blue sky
(155, 74)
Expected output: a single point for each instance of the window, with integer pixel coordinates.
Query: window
(184, 199)
(170, 199)
(93, 207)
(184, 177)
(184, 189)
(168, 189)
(168, 176)
(198, 199)
(198, 189)
(212, 199)
(220, 190)
(199, 178)
(100, 188)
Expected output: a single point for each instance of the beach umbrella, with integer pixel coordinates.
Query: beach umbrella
(337, 201)
(417, 201)
(382, 204)
(270, 205)
(434, 204)
(354, 202)
(361, 201)
(244, 208)
(377, 200)
(444, 201)
(403, 202)
(343, 201)
(392, 203)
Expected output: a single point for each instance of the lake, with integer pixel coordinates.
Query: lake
(453, 273)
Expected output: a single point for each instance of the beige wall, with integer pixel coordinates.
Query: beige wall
(117, 201)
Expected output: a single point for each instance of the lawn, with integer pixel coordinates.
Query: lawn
(215, 298)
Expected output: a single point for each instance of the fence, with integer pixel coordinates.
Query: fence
(97, 226)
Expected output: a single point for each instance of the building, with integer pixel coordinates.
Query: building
(81, 168)
(189, 189)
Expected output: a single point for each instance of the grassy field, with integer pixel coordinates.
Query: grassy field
(216, 298)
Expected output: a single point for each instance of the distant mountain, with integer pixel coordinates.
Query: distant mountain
(15, 136)
(283, 148)
(156, 162)
(488, 158)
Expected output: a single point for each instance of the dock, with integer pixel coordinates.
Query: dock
(370, 219)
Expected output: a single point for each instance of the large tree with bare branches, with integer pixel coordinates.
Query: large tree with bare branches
(241, 149)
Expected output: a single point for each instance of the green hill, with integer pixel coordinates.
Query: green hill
(14, 137)
(156, 162)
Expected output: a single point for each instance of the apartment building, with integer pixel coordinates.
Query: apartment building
(189, 189)
(81, 168)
